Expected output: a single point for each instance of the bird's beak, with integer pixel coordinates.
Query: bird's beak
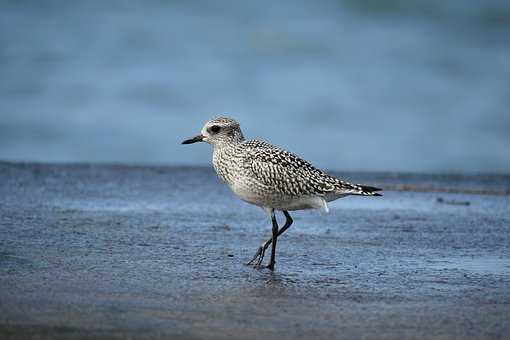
(195, 139)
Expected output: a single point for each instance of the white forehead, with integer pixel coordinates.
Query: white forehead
(221, 121)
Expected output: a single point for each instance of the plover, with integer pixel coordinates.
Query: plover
(271, 178)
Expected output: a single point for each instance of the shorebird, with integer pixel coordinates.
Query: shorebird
(271, 178)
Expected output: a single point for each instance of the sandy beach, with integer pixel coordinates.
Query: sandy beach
(113, 251)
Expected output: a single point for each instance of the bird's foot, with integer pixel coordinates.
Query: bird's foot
(257, 259)
(270, 266)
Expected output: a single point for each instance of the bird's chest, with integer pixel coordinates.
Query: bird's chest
(227, 165)
(232, 170)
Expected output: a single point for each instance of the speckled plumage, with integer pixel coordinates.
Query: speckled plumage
(270, 177)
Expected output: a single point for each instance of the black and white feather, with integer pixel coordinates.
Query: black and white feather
(270, 177)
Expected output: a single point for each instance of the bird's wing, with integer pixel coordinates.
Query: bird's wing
(288, 173)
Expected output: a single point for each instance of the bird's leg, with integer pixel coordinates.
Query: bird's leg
(259, 255)
(272, 261)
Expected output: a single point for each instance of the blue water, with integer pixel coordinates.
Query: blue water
(350, 85)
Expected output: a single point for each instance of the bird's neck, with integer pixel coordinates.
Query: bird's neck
(223, 156)
(223, 148)
(229, 142)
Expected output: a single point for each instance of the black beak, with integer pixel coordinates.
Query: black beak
(195, 139)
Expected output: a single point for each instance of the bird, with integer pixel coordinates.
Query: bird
(271, 177)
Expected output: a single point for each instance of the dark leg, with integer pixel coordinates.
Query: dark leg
(288, 222)
(262, 249)
(272, 261)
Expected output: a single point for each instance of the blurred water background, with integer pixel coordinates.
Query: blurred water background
(391, 85)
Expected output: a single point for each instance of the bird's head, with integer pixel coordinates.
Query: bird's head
(218, 131)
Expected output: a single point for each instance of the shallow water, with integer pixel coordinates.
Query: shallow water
(365, 85)
(158, 252)
(477, 265)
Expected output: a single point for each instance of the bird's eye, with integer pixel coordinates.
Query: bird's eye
(215, 129)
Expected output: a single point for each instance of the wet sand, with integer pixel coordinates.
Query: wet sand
(89, 251)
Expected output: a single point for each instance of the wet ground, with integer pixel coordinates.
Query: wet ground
(154, 252)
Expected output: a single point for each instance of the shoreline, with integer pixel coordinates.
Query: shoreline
(116, 252)
(386, 180)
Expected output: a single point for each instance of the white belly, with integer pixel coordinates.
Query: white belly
(278, 201)
(302, 203)
(249, 193)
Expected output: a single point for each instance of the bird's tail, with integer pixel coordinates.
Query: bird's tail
(365, 190)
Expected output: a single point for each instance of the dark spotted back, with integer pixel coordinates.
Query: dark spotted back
(288, 173)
